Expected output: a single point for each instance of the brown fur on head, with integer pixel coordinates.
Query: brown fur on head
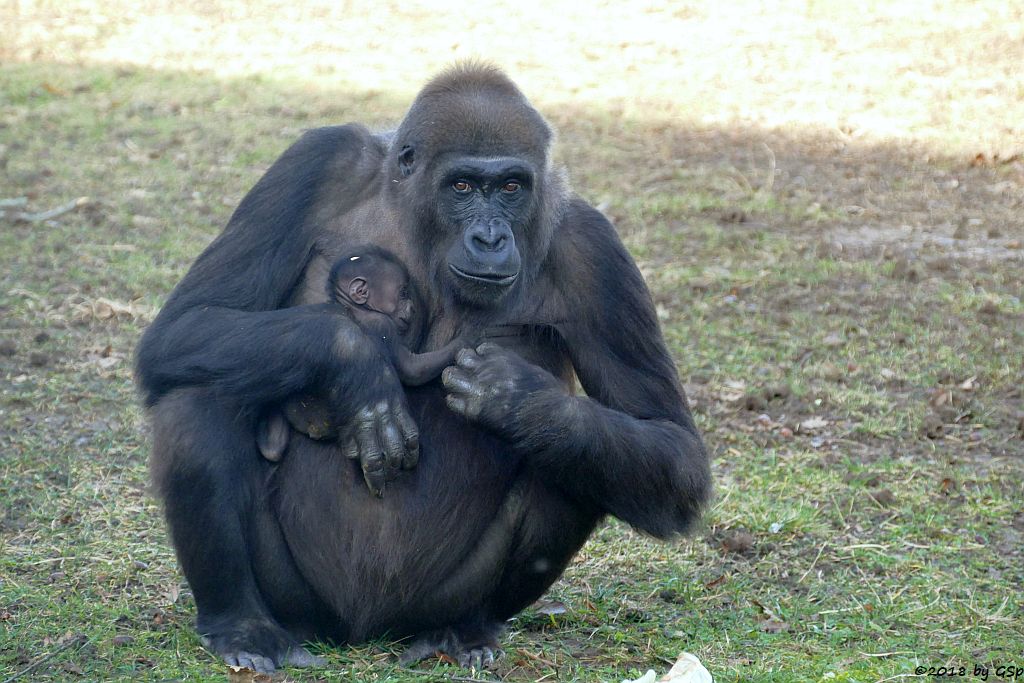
(473, 108)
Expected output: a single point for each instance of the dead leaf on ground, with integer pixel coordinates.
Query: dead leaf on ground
(813, 424)
(731, 391)
(715, 582)
(172, 594)
(103, 357)
(773, 626)
(109, 309)
(550, 607)
(243, 674)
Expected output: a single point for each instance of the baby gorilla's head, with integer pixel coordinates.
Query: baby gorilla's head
(373, 279)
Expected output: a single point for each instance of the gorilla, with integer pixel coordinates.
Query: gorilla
(493, 476)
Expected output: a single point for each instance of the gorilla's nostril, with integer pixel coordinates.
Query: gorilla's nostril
(484, 241)
(490, 237)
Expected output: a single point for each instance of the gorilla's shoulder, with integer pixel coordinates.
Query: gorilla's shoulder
(587, 231)
(350, 146)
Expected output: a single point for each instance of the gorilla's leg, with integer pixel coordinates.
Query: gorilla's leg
(207, 470)
(272, 435)
(533, 538)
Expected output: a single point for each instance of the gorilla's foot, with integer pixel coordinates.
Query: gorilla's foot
(477, 649)
(259, 644)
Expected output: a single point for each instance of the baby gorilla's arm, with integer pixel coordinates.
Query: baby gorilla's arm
(415, 369)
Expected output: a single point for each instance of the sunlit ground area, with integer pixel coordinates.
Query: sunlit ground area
(827, 200)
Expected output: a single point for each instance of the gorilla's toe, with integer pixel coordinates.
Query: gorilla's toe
(303, 658)
(249, 660)
(475, 650)
(256, 643)
(479, 659)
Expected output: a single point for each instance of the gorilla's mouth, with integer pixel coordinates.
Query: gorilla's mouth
(485, 278)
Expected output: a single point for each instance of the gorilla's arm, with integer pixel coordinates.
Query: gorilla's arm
(630, 448)
(223, 326)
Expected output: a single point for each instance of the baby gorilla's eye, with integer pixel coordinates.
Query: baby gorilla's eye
(511, 186)
(461, 186)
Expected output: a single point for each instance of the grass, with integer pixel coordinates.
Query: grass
(838, 274)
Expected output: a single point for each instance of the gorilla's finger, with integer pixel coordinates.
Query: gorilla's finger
(455, 380)
(371, 459)
(456, 404)
(373, 475)
(391, 440)
(488, 348)
(410, 436)
(350, 449)
(467, 358)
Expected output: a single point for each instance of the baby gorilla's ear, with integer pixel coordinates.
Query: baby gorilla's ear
(359, 290)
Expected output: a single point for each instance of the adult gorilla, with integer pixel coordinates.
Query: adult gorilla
(514, 471)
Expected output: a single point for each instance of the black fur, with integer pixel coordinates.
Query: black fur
(513, 472)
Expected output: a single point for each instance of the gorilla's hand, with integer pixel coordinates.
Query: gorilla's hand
(490, 384)
(378, 430)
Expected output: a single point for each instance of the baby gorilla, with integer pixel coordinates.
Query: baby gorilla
(373, 287)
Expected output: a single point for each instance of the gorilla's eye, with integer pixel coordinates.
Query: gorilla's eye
(511, 186)
(461, 186)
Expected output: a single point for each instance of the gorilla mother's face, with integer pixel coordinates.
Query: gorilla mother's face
(484, 207)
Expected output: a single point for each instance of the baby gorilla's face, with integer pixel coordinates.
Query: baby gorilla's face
(389, 294)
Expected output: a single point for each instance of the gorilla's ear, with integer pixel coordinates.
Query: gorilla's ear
(358, 291)
(405, 160)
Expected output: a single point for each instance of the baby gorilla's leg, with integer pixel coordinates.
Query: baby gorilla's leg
(272, 435)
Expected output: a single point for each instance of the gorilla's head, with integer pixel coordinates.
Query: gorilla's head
(470, 165)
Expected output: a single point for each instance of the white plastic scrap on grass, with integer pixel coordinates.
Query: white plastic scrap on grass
(687, 669)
